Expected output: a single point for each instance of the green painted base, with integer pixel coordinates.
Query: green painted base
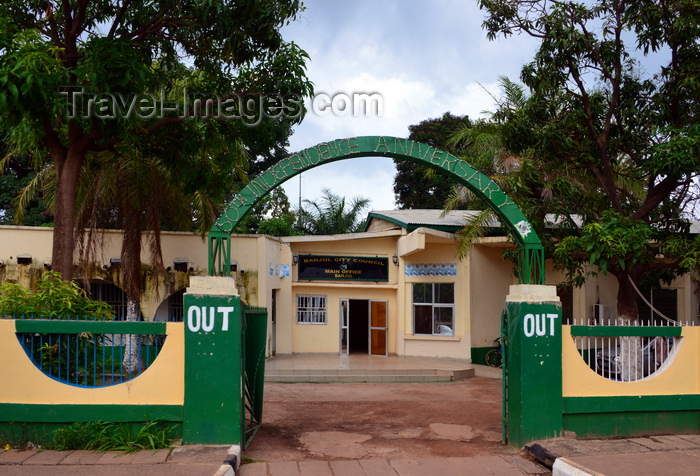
(626, 424)
(603, 417)
(20, 424)
(479, 355)
(10, 412)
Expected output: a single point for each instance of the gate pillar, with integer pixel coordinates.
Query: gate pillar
(214, 404)
(533, 364)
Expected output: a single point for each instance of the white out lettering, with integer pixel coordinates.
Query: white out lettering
(204, 318)
(537, 324)
(225, 311)
(207, 325)
(194, 318)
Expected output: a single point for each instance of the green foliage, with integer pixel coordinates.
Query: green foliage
(278, 226)
(75, 78)
(272, 216)
(416, 186)
(330, 215)
(112, 436)
(20, 435)
(15, 175)
(53, 299)
(604, 143)
(616, 242)
(63, 300)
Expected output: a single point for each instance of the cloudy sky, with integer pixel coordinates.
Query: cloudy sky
(423, 57)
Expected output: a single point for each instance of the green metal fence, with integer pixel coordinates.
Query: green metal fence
(90, 353)
(253, 355)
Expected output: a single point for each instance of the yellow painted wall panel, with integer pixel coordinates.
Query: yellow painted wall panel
(162, 383)
(680, 377)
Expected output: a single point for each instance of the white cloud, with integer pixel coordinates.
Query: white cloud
(424, 58)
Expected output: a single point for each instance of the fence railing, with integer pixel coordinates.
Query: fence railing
(90, 353)
(626, 353)
(255, 334)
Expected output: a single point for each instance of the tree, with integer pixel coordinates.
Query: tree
(272, 215)
(140, 194)
(90, 76)
(330, 215)
(414, 186)
(634, 135)
(14, 178)
(541, 188)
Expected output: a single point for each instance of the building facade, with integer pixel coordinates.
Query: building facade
(395, 289)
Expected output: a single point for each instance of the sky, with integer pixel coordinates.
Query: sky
(423, 57)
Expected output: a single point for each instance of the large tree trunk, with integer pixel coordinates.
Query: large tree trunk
(630, 354)
(131, 281)
(131, 363)
(67, 173)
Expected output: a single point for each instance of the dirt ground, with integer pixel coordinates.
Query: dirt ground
(353, 421)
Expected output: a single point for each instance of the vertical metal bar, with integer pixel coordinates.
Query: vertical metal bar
(139, 351)
(77, 358)
(58, 353)
(94, 360)
(113, 361)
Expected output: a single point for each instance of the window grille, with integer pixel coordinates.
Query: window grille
(311, 309)
(112, 295)
(175, 306)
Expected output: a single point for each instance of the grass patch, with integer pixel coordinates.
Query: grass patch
(112, 436)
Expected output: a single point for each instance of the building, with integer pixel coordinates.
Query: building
(395, 289)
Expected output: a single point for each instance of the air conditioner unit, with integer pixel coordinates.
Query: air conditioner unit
(603, 313)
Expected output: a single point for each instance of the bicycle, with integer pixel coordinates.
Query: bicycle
(494, 357)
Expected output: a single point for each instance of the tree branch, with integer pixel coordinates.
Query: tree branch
(118, 18)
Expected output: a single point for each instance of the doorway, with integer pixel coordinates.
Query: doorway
(363, 327)
(273, 323)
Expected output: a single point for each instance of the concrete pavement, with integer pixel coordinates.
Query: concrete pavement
(476, 466)
(190, 460)
(677, 455)
(208, 460)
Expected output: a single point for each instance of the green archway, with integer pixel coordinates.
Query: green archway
(531, 252)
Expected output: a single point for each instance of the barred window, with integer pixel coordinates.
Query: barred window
(112, 295)
(175, 306)
(311, 309)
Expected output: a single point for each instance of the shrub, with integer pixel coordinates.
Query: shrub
(53, 299)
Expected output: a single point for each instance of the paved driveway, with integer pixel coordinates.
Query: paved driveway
(360, 421)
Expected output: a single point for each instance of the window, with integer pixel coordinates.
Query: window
(311, 309)
(112, 295)
(175, 306)
(665, 302)
(434, 308)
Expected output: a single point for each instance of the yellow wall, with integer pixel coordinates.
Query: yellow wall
(437, 250)
(163, 383)
(325, 338)
(681, 375)
(490, 277)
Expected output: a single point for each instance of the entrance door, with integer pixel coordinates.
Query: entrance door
(378, 327)
(363, 327)
(344, 326)
(273, 323)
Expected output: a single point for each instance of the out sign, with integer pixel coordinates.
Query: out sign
(204, 318)
(539, 324)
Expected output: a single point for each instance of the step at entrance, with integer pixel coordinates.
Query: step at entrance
(314, 368)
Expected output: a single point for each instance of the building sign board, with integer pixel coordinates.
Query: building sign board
(349, 268)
